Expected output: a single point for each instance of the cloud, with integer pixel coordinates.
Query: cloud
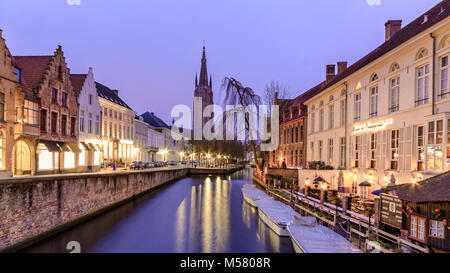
(373, 2)
(73, 2)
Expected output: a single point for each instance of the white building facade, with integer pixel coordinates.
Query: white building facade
(388, 115)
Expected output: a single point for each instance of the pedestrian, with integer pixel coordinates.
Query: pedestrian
(114, 165)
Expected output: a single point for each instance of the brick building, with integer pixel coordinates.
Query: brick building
(48, 78)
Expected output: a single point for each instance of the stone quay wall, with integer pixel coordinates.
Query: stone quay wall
(31, 207)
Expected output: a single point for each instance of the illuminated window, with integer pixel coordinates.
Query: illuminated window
(417, 228)
(30, 113)
(422, 84)
(69, 160)
(437, 229)
(394, 94)
(96, 158)
(82, 156)
(373, 148)
(357, 150)
(420, 149)
(342, 152)
(394, 149)
(45, 158)
(330, 151)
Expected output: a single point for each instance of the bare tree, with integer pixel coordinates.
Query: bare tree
(272, 88)
(237, 94)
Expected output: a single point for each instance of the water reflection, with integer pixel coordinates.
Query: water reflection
(194, 214)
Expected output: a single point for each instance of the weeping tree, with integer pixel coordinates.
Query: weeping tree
(238, 95)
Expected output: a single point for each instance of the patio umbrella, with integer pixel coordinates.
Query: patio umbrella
(319, 179)
(377, 192)
(364, 184)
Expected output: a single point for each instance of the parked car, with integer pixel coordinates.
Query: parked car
(136, 165)
(183, 162)
(148, 165)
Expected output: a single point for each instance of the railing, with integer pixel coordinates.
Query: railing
(361, 220)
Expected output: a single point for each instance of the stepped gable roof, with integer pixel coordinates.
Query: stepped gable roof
(77, 81)
(33, 68)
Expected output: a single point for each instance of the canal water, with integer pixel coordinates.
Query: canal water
(194, 214)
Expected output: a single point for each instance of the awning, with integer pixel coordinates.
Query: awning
(52, 146)
(92, 147)
(64, 147)
(74, 147)
(86, 146)
(98, 147)
(365, 184)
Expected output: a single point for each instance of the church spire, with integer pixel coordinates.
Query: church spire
(203, 71)
(196, 80)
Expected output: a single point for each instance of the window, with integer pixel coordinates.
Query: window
(357, 109)
(374, 77)
(343, 112)
(444, 77)
(97, 125)
(30, 113)
(82, 121)
(54, 95)
(422, 84)
(320, 150)
(394, 67)
(434, 151)
(422, 53)
(331, 117)
(73, 122)
(90, 98)
(105, 111)
(394, 149)
(373, 102)
(120, 116)
(120, 131)
(373, 148)
(342, 152)
(2, 150)
(110, 130)
(312, 150)
(115, 115)
(90, 123)
(330, 151)
(357, 151)
(82, 156)
(43, 120)
(54, 122)
(63, 125)
(394, 93)
(358, 85)
(320, 119)
(64, 99)
(435, 133)
(296, 133)
(2, 106)
(110, 113)
(18, 72)
(417, 228)
(420, 149)
(437, 229)
(313, 122)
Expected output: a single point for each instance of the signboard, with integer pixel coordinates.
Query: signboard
(391, 210)
(370, 126)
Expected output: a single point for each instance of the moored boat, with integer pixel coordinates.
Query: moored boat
(275, 214)
(309, 237)
(251, 194)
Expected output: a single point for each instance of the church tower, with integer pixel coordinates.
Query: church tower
(203, 88)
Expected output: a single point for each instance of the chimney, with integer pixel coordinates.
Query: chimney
(392, 27)
(341, 67)
(115, 91)
(331, 68)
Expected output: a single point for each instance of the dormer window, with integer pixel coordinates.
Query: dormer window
(422, 53)
(374, 77)
(18, 72)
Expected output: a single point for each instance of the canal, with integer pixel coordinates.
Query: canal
(193, 214)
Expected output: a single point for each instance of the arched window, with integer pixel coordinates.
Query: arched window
(331, 98)
(394, 67)
(445, 42)
(374, 77)
(422, 53)
(358, 85)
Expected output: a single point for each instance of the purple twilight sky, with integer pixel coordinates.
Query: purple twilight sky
(150, 49)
